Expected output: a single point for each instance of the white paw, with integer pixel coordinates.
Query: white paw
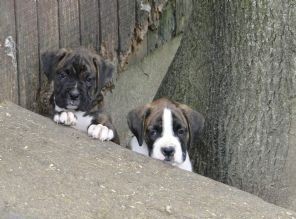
(100, 132)
(65, 118)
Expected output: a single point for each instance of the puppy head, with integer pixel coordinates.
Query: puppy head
(78, 76)
(167, 127)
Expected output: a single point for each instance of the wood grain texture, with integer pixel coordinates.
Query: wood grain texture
(142, 15)
(167, 23)
(163, 27)
(69, 23)
(48, 28)
(183, 12)
(89, 21)
(8, 59)
(27, 50)
(127, 19)
(109, 28)
(116, 28)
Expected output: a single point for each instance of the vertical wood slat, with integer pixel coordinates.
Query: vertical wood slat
(183, 11)
(142, 30)
(63, 23)
(142, 15)
(89, 21)
(69, 23)
(127, 20)
(165, 25)
(109, 26)
(8, 62)
(48, 28)
(27, 49)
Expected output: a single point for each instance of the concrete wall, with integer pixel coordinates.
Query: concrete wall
(51, 171)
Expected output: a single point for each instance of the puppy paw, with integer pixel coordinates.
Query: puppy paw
(65, 118)
(100, 132)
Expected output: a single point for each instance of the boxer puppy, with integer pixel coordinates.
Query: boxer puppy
(79, 76)
(165, 130)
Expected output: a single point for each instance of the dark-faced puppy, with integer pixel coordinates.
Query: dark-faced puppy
(79, 76)
(165, 130)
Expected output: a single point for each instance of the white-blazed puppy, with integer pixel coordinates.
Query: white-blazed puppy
(165, 130)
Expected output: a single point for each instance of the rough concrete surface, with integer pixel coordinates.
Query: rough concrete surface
(138, 85)
(51, 171)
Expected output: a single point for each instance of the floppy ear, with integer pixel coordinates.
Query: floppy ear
(195, 121)
(105, 71)
(50, 60)
(135, 121)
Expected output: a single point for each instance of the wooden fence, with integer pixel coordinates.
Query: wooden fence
(115, 28)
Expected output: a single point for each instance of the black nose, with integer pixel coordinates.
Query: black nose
(168, 151)
(74, 94)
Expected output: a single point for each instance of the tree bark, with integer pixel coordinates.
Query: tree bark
(236, 64)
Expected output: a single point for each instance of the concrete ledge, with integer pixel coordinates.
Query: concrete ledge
(50, 171)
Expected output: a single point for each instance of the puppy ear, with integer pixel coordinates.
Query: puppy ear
(105, 71)
(50, 60)
(136, 119)
(195, 121)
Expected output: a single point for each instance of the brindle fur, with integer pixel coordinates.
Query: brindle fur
(79, 64)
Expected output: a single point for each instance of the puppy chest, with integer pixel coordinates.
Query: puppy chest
(82, 121)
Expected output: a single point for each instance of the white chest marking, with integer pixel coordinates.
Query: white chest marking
(82, 121)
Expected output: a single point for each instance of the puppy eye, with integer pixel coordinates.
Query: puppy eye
(181, 131)
(153, 133)
(62, 75)
(89, 79)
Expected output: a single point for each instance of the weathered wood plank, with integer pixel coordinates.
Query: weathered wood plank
(139, 52)
(164, 24)
(48, 27)
(153, 41)
(167, 24)
(8, 62)
(89, 23)
(143, 9)
(183, 12)
(48, 30)
(127, 23)
(127, 20)
(69, 23)
(27, 50)
(109, 28)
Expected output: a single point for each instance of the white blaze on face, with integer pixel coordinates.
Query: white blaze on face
(167, 123)
(167, 139)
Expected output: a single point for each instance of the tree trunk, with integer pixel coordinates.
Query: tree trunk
(236, 64)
